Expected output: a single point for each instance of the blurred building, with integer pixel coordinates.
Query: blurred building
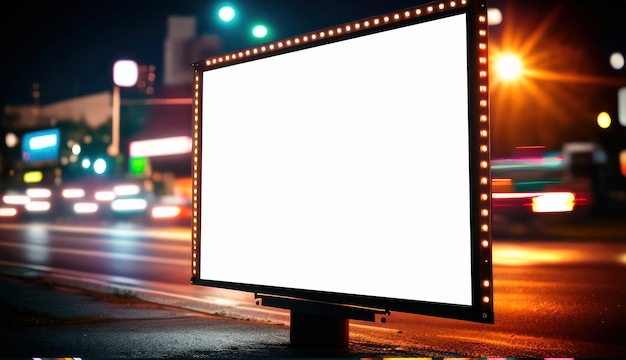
(183, 47)
(163, 111)
(94, 109)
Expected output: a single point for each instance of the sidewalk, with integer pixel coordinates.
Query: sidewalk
(42, 319)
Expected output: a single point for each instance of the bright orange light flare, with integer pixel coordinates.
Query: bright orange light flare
(551, 93)
(509, 67)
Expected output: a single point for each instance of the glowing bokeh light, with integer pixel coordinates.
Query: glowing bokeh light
(39, 193)
(73, 193)
(617, 60)
(226, 13)
(15, 199)
(31, 177)
(8, 212)
(126, 190)
(604, 120)
(494, 16)
(621, 105)
(125, 73)
(100, 166)
(85, 208)
(160, 147)
(259, 31)
(11, 140)
(104, 195)
(132, 204)
(76, 149)
(166, 211)
(554, 202)
(37, 206)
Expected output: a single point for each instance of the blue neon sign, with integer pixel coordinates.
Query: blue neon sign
(41, 145)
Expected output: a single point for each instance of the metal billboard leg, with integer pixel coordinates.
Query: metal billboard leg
(318, 331)
(319, 325)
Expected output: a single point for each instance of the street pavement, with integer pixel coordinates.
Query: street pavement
(42, 319)
(605, 228)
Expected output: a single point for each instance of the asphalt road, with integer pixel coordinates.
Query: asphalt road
(552, 297)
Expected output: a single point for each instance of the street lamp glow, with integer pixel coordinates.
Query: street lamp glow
(494, 16)
(226, 13)
(604, 120)
(509, 67)
(125, 73)
(259, 31)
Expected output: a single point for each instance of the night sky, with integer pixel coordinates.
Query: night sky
(69, 47)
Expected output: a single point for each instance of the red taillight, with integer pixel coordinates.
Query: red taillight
(8, 212)
(554, 202)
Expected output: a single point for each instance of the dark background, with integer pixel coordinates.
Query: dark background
(69, 47)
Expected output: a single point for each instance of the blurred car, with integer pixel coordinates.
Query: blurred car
(171, 210)
(529, 192)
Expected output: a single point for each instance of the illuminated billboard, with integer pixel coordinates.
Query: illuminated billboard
(350, 165)
(41, 145)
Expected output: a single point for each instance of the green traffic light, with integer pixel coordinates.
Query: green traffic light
(226, 13)
(259, 31)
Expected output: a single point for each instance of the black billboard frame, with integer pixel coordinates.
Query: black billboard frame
(475, 11)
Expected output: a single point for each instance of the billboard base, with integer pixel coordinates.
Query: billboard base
(318, 331)
(319, 325)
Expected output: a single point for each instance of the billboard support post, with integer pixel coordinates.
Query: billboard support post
(319, 325)
(317, 331)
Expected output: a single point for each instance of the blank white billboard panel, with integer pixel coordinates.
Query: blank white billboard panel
(343, 168)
